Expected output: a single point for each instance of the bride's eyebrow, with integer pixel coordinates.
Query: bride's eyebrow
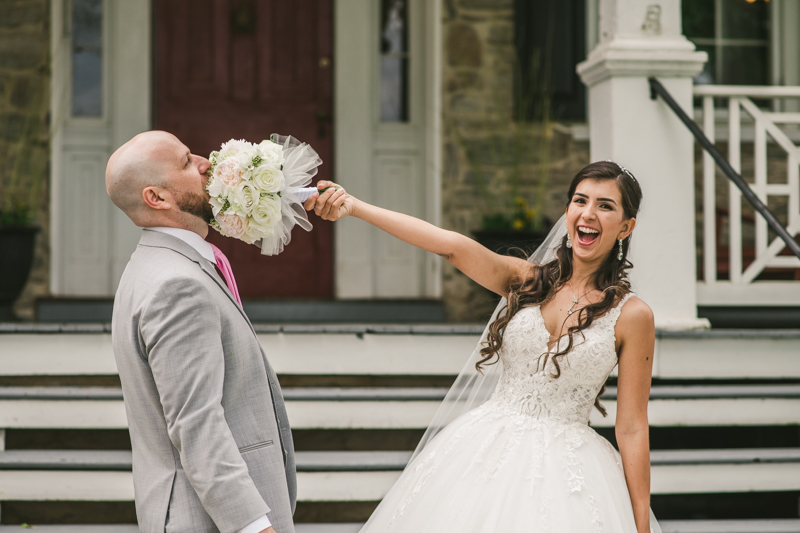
(599, 199)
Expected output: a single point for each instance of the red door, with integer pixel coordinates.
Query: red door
(245, 69)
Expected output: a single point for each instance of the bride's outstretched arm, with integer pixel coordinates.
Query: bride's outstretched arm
(493, 271)
(636, 337)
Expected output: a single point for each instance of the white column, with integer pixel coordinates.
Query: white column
(638, 39)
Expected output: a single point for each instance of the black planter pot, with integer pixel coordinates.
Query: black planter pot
(510, 242)
(16, 259)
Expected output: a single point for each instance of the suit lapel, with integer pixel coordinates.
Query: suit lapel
(209, 269)
(157, 239)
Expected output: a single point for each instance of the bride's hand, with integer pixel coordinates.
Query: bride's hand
(333, 204)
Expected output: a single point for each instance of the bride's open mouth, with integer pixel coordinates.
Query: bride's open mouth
(587, 235)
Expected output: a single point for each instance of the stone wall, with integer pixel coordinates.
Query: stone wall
(479, 136)
(24, 106)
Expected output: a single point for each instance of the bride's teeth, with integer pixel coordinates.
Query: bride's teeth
(588, 230)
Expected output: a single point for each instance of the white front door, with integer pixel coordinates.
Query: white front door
(100, 99)
(387, 132)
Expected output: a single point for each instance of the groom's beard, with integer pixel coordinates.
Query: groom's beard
(194, 204)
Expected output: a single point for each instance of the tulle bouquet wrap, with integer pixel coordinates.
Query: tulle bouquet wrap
(257, 190)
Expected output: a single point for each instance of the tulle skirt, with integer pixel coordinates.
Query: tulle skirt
(492, 470)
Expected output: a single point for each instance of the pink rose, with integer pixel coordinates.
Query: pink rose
(229, 172)
(232, 225)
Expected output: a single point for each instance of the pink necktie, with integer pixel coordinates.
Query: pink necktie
(224, 266)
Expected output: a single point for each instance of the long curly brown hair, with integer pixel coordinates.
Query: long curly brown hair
(544, 281)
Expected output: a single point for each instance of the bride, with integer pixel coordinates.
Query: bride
(511, 449)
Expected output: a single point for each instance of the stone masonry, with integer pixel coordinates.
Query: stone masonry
(479, 134)
(24, 105)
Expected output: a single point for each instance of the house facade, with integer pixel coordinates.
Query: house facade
(415, 105)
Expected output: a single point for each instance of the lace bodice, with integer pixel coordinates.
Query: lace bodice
(528, 387)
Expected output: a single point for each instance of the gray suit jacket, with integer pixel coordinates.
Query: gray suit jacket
(212, 448)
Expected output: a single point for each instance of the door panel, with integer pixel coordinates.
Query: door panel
(245, 69)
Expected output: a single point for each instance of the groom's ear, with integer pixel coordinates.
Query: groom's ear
(157, 198)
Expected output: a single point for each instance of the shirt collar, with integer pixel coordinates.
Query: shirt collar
(192, 239)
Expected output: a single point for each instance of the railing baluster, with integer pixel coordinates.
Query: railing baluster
(760, 188)
(793, 179)
(709, 197)
(734, 196)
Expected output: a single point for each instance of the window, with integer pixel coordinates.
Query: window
(736, 36)
(87, 58)
(394, 61)
(550, 41)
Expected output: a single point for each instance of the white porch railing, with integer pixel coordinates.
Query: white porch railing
(744, 264)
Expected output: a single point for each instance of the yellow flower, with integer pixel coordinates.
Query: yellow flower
(529, 214)
(521, 203)
(518, 224)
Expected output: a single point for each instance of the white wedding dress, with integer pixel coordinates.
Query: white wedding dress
(526, 460)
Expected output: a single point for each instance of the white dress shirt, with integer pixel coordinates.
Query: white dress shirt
(204, 249)
(192, 239)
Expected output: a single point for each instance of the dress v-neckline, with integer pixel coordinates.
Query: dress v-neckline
(558, 340)
(547, 331)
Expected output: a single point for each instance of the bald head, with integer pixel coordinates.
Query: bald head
(141, 162)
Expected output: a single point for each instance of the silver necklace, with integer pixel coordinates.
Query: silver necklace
(574, 299)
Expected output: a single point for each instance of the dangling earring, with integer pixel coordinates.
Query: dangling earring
(569, 242)
(619, 255)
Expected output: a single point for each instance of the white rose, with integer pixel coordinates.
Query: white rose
(243, 197)
(271, 152)
(257, 232)
(217, 204)
(233, 147)
(268, 178)
(216, 188)
(268, 211)
(230, 172)
(246, 156)
(232, 225)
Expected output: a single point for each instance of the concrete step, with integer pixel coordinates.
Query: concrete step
(365, 461)
(355, 394)
(667, 526)
(133, 528)
(36, 475)
(56, 349)
(731, 526)
(81, 310)
(408, 408)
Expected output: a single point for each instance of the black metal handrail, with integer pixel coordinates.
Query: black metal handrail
(657, 89)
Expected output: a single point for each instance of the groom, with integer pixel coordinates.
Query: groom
(212, 448)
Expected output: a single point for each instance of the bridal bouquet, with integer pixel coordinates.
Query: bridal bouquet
(257, 190)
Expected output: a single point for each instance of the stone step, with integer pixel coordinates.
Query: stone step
(407, 408)
(399, 350)
(36, 475)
